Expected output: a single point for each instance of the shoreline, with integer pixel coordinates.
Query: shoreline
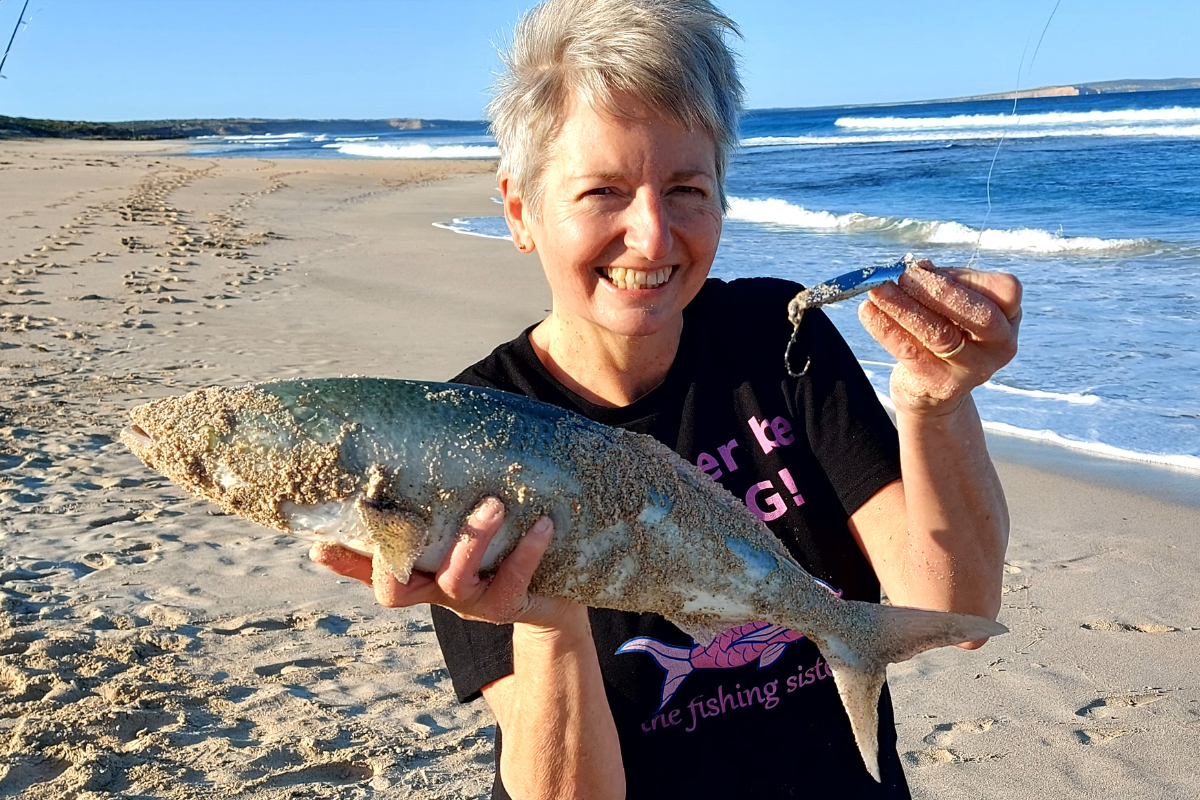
(1162, 482)
(153, 646)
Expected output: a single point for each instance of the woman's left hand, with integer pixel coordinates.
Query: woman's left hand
(949, 329)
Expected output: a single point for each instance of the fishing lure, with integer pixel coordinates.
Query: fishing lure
(840, 288)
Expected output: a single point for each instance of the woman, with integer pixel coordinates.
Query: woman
(615, 121)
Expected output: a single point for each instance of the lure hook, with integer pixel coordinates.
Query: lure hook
(840, 288)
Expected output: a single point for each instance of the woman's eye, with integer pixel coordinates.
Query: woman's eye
(600, 192)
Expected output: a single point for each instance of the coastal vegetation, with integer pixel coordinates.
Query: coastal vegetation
(22, 127)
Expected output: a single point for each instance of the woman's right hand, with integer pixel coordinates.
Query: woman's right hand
(502, 598)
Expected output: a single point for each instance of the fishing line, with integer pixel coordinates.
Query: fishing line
(1004, 134)
(851, 284)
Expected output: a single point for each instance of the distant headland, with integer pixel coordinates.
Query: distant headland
(23, 128)
(1071, 90)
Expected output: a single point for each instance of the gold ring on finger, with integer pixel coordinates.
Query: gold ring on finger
(961, 344)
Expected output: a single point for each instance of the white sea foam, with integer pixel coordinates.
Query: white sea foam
(775, 211)
(1009, 131)
(1142, 116)
(1074, 398)
(1094, 448)
(459, 225)
(416, 150)
(1067, 397)
(251, 137)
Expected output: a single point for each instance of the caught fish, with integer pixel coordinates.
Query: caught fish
(396, 466)
(843, 287)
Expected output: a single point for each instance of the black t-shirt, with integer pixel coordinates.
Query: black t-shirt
(756, 713)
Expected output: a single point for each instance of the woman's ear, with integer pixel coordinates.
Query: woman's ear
(514, 215)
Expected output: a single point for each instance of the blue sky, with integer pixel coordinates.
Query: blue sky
(155, 59)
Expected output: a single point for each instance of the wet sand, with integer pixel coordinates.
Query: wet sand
(151, 646)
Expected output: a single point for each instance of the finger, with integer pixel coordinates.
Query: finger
(390, 592)
(460, 572)
(925, 374)
(966, 308)
(932, 330)
(1002, 288)
(509, 589)
(344, 562)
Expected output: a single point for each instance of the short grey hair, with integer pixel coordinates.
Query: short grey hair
(672, 55)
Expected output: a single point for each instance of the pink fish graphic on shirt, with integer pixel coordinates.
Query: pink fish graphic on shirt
(735, 647)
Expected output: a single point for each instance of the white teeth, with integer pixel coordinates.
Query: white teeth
(624, 278)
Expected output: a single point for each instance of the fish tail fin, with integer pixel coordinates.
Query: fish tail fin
(892, 634)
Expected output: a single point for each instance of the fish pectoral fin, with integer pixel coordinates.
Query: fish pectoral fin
(399, 536)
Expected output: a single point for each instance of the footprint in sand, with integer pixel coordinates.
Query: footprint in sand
(1123, 627)
(27, 770)
(102, 621)
(1100, 735)
(294, 666)
(98, 561)
(244, 627)
(943, 736)
(139, 553)
(334, 773)
(1106, 707)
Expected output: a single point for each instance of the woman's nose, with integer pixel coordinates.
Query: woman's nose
(648, 228)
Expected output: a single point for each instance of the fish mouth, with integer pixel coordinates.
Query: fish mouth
(628, 278)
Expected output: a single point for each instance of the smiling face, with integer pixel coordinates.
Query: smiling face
(629, 221)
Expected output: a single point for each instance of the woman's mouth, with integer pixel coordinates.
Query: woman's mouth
(624, 278)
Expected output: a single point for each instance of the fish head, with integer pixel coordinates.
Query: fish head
(245, 450)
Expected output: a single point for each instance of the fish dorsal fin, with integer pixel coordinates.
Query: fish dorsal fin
(398, 536)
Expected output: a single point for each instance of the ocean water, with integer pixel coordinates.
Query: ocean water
(1093, 201)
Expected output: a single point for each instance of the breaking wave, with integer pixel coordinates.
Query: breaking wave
(1075, 398)
(416, 150)
(1068, 397)
(1179, 461)
(1012, 131)
(774, 211)
(487, 227)
(1143, 116)
(249, 137)
(1094, 448)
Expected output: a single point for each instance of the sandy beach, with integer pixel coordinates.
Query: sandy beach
(152, 647)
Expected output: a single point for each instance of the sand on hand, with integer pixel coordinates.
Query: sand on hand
(151, 646)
